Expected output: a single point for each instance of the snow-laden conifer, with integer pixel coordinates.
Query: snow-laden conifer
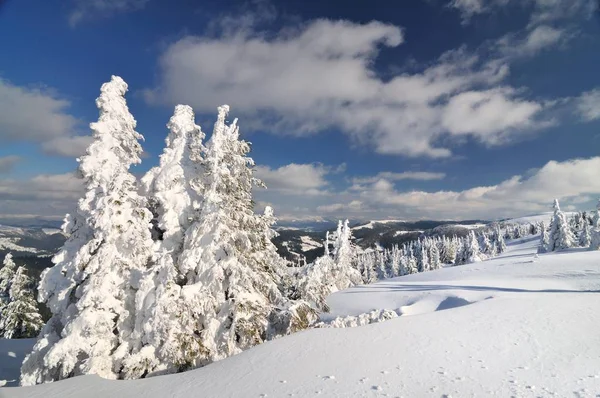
(585, 236)
(91, 288)
(560, 235)
(173, 189)
(328, 275)
(7, 273)
(595, 234)
(232, 286)
(21, 317)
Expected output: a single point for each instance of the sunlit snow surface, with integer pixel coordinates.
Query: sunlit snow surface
(513, 326)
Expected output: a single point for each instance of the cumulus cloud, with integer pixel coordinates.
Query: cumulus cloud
(305, 179)
(575, 182)
(49, 196)
(588, 105)
(490, 115)
(534, 41)
(51, 125)
(320, 76)
(32, 114)
(406, 175)
(543, 11)
(570, 180)
(8, 162)
(74, 146)
(86, 9)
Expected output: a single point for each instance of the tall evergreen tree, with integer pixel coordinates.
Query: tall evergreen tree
(585, 236)
(231, 292)
(173, 189)
(7, 274)
(21, 316)
(560, 235)
(91, 288)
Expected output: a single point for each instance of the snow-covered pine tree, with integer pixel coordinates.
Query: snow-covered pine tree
(7, 274)
(381, 265)
(544, 238)
(585, 236)
(411, 262)
(595, 234)
(485, 244)
(472, 253)
(394, 261)
(21, 317)
(174, 190)
(560, 236)
(91, 288)
(434, 255)
(231, 292)
(499, 241)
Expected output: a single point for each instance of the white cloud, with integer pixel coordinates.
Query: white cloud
(32, 114)
(544, 11)
(321, 76)
(575, 182)
(588, 105)
(536, 40)
(8, 162)
(353, 206)
(49, 196)
(51, 126)
(518, 195)
(306, 179)
(86, 9)
(406, 175)
(74, 146)
(491, 115)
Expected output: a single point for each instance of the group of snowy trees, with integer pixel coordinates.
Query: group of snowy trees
(579, 231)
(19, 313)
(167, 273)
(345, 267)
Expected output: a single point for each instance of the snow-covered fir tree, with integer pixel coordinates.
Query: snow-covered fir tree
(91, 288)
(471, 251)
(486, 246)
(232, 292)
(433, 254)
(394, 268)
(7, 273)
(560, 235)
(499, 243)
(595, 233)
(21, 317)
(585, 236)
(329, 274)
(174, 190)
(544, 238)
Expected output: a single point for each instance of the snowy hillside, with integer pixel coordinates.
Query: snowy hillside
(536, 218)
(512, 326)
(23, 241)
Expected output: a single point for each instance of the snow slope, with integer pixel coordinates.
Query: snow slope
(511, 326)
(544, 217)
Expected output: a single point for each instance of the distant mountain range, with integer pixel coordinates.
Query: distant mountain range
(305, 239)
(34, 245)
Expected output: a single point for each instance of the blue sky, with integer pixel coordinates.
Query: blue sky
(363, 109)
